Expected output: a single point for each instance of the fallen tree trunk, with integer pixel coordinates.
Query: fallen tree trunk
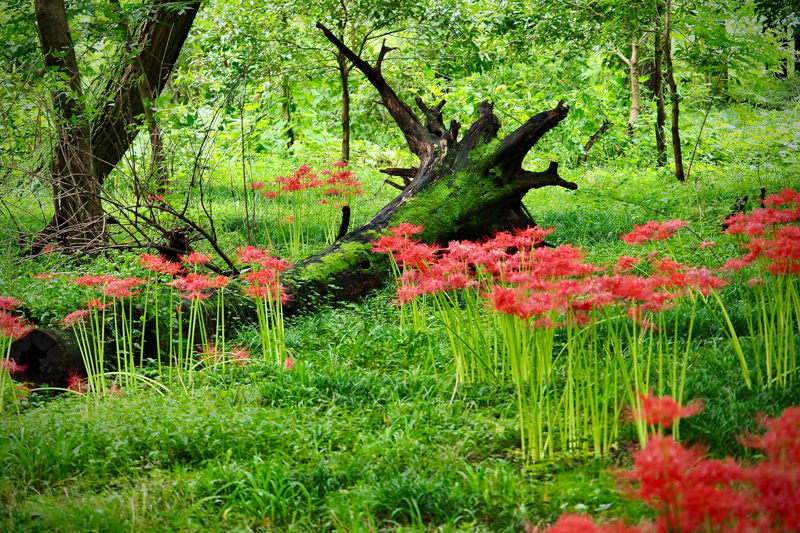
(463, 188)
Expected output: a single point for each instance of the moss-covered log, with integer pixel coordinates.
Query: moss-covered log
(463, 188)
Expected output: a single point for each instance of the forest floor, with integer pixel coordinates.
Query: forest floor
(368, 430)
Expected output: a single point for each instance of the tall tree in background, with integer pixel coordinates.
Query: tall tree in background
(677, 152)
(87, 149)
(78, 211)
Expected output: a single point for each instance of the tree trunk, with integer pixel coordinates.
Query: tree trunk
(79, 221)
(159, 167)
(463, 188)
(159, 40)
(796, 59)
(658, 84)
(591, 142)
(636, 92)
(344, 74)
(286, 98)
(674, 97)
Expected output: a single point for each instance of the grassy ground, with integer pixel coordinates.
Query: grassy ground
(366, 432)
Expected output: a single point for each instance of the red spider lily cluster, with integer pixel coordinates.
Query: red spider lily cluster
(693, 493)
(265, 281)
(340, 182)
(12, 327)
(196, 286)
(160, 265)
(518, 276)
(769, 238)
(653, 231)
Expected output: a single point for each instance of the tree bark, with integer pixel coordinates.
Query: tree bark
(286, 112)
(147, 96)
(78, 217)
(658, 84)
(159, 40)
(636, 92)
(463, 188)
(344, 74)
(591, 142)
(674, 96)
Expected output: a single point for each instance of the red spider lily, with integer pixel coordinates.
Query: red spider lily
(159, 264)
(123, 288)
(11, 366)
(573, 523)
(781, 249)
(653, 231)
(625, 263)
(287, 220)
(289, 364)
(257, 185)
(755, 282)
(736, 264)
(96, 303)
(340, 164)
(664, 410)
(251, 254)
(220, 282)
(196, 258)
(114, 391)
(46, 276)
(209, 354)
(706, 244)
(75, 317)
(77, 383)
(240, 357)
(691, 493)
(193, 285)
(269, 195)
(13, 326)
(267, 293)
(760, 220)
(93, 281)
(23, 390)
(7, 303)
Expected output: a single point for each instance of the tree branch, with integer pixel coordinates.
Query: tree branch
(413, 130)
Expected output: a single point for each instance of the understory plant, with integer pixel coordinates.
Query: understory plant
(692, 493)
(768, 287)
(265, 289)
(577, 340)
(12, 328)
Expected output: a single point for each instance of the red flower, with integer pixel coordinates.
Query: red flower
(123, 288)
(196, 258)
(11, 366)
(270, 195)
(96, 303)
(289, 363)
(251, 254)
(664, 410)
(240, 357)
(159, 264)
(256, 185)
(706, 244)
(340, 164)
(77, 383)
(192, 286)
(47, 276)
(7, 303)
(653, 231)
(92, 281)
(75, 317)
(13, 326)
